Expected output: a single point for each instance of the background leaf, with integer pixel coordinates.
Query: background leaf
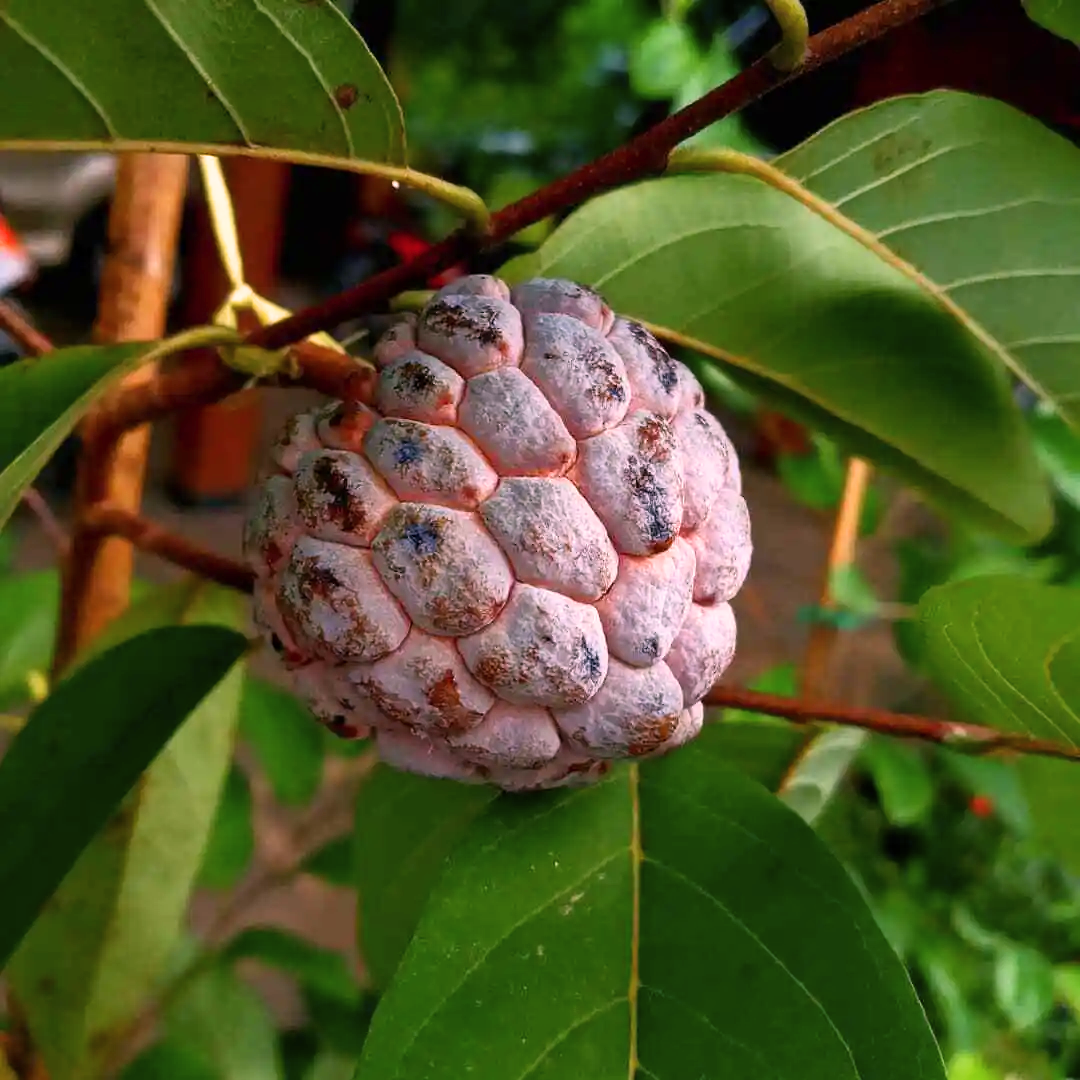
(231, 843)
(41, 400)
(737, 266)
(1005, 649)
(323, 971)
(285, 738)
(983, 200)
(104, 940)
(1060, 16)
(815, 777)
(219, 1018)
(902, 779)
(28, 613)
(671, 886)
(250, 73)
(1023, 985)
(406, 825)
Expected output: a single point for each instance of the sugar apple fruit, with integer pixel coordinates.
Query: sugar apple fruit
(516, 566)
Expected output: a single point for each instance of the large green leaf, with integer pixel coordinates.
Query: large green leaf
(43, 398)
(675, 920)
(1060, 16)
(1007, 650)
(735, 266)
(983, 200)
(104, 940)
(248, 74)
(406, 825)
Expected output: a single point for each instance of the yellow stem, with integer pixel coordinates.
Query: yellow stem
(791, 16)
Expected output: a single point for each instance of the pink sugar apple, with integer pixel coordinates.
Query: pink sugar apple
(515, 567)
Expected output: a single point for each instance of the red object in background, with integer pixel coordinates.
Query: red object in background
(407, 246)
(982, 806)
(15, 265)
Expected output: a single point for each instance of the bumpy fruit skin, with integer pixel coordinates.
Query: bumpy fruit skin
(516, 568)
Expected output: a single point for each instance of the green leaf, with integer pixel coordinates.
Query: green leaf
(28, 612)
(323, 971)
(902, 779)
(128, 703)
(1052, 791)
(1005, 649)
(256, 74)
(406, 825)
(655, 924)
(168, 1061)
(1023, 985)
(997, 780)
(850, 589)
(982, 199)
(341, 1028)
(285, 738)
(333, 862)
(811, 784)
(226, 1024)
(1058, 447)
(331, 1066)
(1062, 17)
(663, 60)
(1067, 986)
(968, 1066)
(760, 747)
(105, 938)
(746, 273)
(44, 397)
(231, 844)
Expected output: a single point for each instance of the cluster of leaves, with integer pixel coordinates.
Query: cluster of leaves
(900, 272)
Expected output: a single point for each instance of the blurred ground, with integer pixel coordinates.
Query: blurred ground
(791, 545)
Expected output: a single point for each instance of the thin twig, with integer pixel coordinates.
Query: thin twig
(38, 505)
(32, 340)
(145, 535)
(845, 537)
(971, 738)
(643, 156)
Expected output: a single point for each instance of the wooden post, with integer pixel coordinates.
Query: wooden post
(214, 447)
(144, 222)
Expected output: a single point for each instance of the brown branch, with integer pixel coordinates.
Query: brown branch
(106, 520)
(971, 738)
(204, 379)
(144, 223)
(641, 157)
(32, 340)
